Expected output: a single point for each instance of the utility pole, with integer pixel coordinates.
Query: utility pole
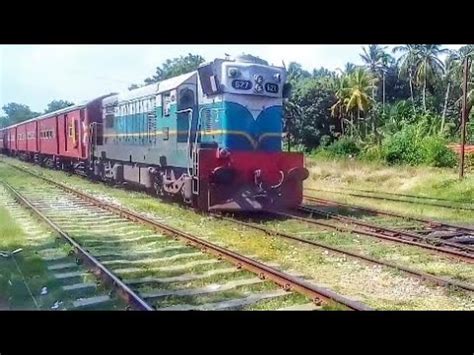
(464, 116)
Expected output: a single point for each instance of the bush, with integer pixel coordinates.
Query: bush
(409, 147)
(372, 153)
(437, 154)
(343, 147)
(403, 147)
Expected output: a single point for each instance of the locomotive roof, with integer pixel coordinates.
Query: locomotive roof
(153, 89)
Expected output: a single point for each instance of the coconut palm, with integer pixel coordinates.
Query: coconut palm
(358, 98)
(459, 57)
(372, 57)
(340, 85)
(407, 64)
(451, 66)
(428, 65)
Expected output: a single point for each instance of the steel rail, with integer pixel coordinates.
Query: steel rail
(377, 228)
(422, 275)
(429, 222)
(458, 254)
(100, 270)
(286, 281)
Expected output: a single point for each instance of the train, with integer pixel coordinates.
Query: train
(211, 138)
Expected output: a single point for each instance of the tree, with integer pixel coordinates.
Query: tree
(308, 113)
(134, 86)
(428, 66)
(252, 58)
(350, 68)
(358, 97)
(58, 105)
(175, 67)
(407, 64)
(340, 86)
(458, 59)
(296, 72)
(17, 113)
(376, 61)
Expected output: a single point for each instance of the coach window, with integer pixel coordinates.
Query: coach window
(166, 103)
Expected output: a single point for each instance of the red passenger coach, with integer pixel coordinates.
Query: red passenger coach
(3, 140)
(31, 137)
(11, 139)
(71, 130)
(48, 136)
(21, 137)
(60, 139)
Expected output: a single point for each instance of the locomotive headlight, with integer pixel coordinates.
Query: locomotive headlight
(277, 77)
(233, 72)
(258, 79)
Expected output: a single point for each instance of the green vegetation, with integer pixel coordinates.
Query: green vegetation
(425, 182)
(24, 274)
(379, 287)
(16, 113)
(396, 111)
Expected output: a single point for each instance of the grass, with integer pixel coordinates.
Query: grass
(22, 278)
(403, 180)
(31, 274)
(378, 287)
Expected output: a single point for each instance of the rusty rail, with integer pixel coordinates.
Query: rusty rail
(400, 200)
(286, 281)
(459, 254)
(429, 222)
(422, 275)
(99, 270)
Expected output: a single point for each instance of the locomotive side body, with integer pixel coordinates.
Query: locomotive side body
(202, 136)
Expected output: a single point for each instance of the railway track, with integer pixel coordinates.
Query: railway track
(152, 271)
(353, 225)
(399, 198)
(430, 226)
(441, 281)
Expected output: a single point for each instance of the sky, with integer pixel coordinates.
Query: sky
(37, 74)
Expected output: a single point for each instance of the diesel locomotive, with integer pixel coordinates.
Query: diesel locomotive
(212, 138)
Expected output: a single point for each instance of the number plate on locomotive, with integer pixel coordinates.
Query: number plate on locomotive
(272, 88)
(242, 84)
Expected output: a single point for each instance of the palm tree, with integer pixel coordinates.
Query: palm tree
(428, 65)
(407, 64)
(340, 85)
(451, 65)
(376, 61)
(358, 98)
(349, 68)
(386, 60)
(373, 60)
(458, 67)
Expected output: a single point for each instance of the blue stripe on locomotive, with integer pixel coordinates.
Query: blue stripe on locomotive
(232, 126)
(236, 129)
